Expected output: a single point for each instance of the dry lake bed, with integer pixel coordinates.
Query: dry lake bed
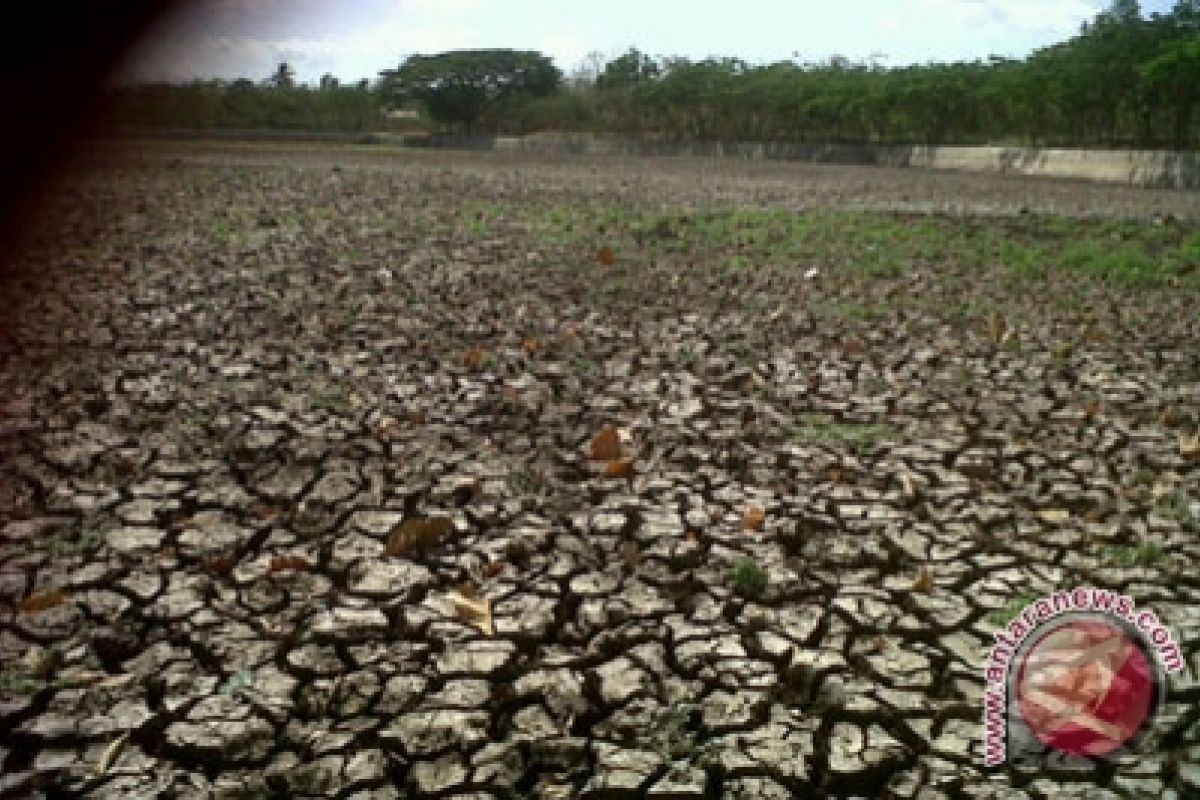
(342, 472)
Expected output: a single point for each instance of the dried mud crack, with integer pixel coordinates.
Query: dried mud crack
(325, 474)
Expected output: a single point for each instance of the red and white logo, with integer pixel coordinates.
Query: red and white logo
(1086, 686)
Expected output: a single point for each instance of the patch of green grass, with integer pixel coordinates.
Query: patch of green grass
(1012, 608)
(330, 401)
(1179, 507)
(15, 683)
(525, 483)
(881, 245)
(1123, 261)
(748, 579)
(820, 430)
(584, 364)
(1143, 554)
(671, 735)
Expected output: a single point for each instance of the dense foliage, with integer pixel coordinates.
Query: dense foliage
(461, 87)
(244, 105)
(1123, 80)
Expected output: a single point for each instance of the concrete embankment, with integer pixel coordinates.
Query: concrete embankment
(1149, 168)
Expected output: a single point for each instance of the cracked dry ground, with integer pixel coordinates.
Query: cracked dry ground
(298, 498)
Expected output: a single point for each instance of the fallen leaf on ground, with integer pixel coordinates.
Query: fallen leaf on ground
(923, 583)
(43, 601)
(754, 519)
(631, 554)
(473, 359)
(1189, 446)
(473, 608)
(1054, 516)
(39, 661)
(977, 470)
(290, 564)
(219, 565)
(606, 256)
(606, 445)
(998, 330)
(111, 753)
(414, 535)
(619, 468)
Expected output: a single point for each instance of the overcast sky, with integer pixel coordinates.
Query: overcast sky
(355, 39)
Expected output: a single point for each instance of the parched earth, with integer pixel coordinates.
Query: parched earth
(333, 474)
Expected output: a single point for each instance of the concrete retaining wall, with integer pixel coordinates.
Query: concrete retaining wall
(1150, 168)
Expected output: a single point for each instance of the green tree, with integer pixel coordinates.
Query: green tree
(459, 87)
(630, 69)
(284, 77)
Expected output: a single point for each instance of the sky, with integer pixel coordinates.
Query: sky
(354, 39)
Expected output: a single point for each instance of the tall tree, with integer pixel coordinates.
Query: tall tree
(284, 77)
(460, 86)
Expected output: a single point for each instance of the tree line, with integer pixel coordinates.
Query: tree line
(1125, 79)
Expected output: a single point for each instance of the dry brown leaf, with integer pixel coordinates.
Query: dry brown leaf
(219, 565)
(265, 511)
(631, 554)
(606, 256)
(754, 519)
(43, 601)
(473, 608)
(606, 445)
(473, 359)
(289, 564)
(977, 471)
(998, 331)
(619, 468)
(1189, 446)
(923, 583)
(414, 535)
(1054, 516)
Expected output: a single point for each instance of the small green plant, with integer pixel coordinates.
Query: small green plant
(669, 734)
(1143, 554)
(1181, 508)
(330, 401)
(524, 482)
(585, 364)
(20, 684)
(748, 578)
(820, 430)
(238, 683)
(1013, 607)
